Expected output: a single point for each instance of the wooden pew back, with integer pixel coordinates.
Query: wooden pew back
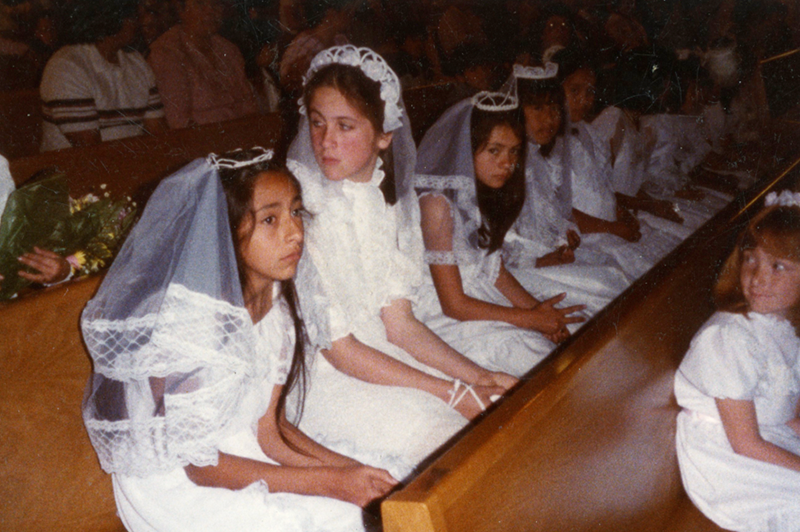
(588, 442)
(131, 166)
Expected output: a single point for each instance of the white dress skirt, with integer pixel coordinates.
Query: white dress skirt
(494, 345)
(170, 502)
(595, 278)
(752, 357)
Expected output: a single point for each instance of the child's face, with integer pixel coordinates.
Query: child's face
(542, 122)
(771, 285)
(271, 240)
(579, 89)
(346, 144)
(496, 160)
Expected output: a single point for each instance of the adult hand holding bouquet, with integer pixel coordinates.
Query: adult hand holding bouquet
(41, 224)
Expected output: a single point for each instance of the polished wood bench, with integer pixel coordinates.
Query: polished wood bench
(587, 443)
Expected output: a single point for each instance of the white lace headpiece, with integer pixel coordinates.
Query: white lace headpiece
(221, 162)
(527, 72)
(495, 101)
(375, 68)
(785, 198)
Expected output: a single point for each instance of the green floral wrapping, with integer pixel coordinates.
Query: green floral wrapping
(42, 214)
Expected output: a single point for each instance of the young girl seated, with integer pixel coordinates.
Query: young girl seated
(738, 437)
(545, 234)
(473, 156)
(609, 228)
(196, 340)
(386, 386)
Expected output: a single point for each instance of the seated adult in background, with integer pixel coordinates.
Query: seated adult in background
(200, 74)
(96, 89)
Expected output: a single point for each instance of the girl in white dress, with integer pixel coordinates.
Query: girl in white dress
(544, 249)
(738, 437)
(385, 389)
(196, 340)
(471, 183)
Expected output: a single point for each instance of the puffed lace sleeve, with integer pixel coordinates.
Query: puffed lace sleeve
(724, 360)
(437, 228)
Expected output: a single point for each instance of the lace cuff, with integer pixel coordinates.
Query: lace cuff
(440, 257)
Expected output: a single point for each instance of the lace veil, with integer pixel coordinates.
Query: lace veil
(323, 195)
(445, 167)
(171, 340)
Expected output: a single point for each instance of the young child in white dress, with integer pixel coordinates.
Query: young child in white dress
(471, 183)
(545, 249)
(738, 437)
(385, 386)
(196, 341)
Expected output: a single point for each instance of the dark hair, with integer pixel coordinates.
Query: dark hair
(777, 230)
(365, 95)
(238, 185)
(538, 92)
(89, 22)
(499, 206)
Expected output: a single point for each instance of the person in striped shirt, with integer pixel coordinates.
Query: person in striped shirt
(98, 89)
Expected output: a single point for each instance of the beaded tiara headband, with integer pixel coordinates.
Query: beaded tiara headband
(374, 67)
(221, 162)
(786, 198)
(494, 101)
(526, 72)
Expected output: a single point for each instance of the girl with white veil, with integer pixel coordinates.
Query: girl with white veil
(471, 183)
(385, 389)
(545, 247)
(196, 340)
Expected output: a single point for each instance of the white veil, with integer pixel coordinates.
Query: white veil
(445, 166)
(170, 338)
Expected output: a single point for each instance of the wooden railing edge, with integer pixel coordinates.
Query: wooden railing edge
(459, 467)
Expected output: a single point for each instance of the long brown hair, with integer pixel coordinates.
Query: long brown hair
(239, 185)
(364, 94)
(777, 230)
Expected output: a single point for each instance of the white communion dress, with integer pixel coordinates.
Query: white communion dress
(751, 357)
(495, 345)
(595, 278)
(353, 238)
(170, 502)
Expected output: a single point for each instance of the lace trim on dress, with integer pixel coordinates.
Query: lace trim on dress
(439, 182)
(183, 383)
(440, 257)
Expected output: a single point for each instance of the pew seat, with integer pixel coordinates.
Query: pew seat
(587, 441)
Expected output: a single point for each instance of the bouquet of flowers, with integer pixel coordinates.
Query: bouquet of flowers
(88, 231)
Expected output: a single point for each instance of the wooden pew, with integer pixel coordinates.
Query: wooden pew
(131, 166)
(587, 443)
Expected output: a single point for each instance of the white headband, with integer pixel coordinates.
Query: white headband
(525, 72)
(219, 162)
(786, 198)
(375, 68)
(494, 101)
